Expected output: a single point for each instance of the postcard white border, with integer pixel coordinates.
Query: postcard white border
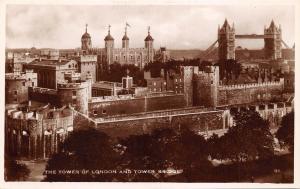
(80, 185)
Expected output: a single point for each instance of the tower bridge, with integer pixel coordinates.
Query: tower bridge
(227, 37)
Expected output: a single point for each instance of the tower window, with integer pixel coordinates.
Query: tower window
(74, 93)
(15, 92)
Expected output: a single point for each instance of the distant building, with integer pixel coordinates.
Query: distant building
(162, 55)
(158, 84)
(51, 54)
(125, 55)
(16, 86)
(88, 66)
(75, 92)
(86, 41)
(127, 82)
(106, 88)
(16, 61)
(273, 42)
(226, 39)
(50, 72)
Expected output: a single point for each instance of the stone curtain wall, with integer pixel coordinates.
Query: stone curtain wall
(248, 93)
(36, 139)
(136, 105)
(43, 95)
(198, 122)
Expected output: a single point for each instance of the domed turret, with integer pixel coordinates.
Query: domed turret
(108, 37)
(149, 37)
(85, 35)
(86, 41)
(125, 39)
(109, 45)
(149, 40)
(109, 40)
(149, 46)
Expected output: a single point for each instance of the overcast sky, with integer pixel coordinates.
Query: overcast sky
(176, 27)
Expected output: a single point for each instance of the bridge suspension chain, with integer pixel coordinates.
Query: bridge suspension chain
(208, 50)
(286, 46)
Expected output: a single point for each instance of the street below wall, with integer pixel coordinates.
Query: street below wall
(36, 168)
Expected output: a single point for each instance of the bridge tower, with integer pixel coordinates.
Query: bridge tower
(226, 39)
(272, 42)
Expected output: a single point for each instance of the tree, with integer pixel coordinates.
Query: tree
(166, 149)
(86, 149)
(285, 133)
(228, 68)
(117, 71)
(213, 145)
(155, 68)
(249, 139)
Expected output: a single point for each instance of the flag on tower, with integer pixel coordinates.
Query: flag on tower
(127, 24)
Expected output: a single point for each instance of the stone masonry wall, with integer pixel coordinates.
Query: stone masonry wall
(35, 139)
(250, 93)
(136, 105)
(198, 122)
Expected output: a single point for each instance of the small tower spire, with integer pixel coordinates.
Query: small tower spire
(148, 30)
(109, 28)
(86, 25)
(272, 24)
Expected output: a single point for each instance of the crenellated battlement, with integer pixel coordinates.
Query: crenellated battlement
(82, 84)
(88, 58)
(131, 97)
(21, 75)
(251, 85)
(43, 90)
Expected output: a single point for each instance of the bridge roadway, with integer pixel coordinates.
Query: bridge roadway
(253, 36)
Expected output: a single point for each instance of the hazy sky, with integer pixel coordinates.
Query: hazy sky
(176, 26)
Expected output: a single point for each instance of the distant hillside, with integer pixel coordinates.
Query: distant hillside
(241, 54)
(187, 54)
